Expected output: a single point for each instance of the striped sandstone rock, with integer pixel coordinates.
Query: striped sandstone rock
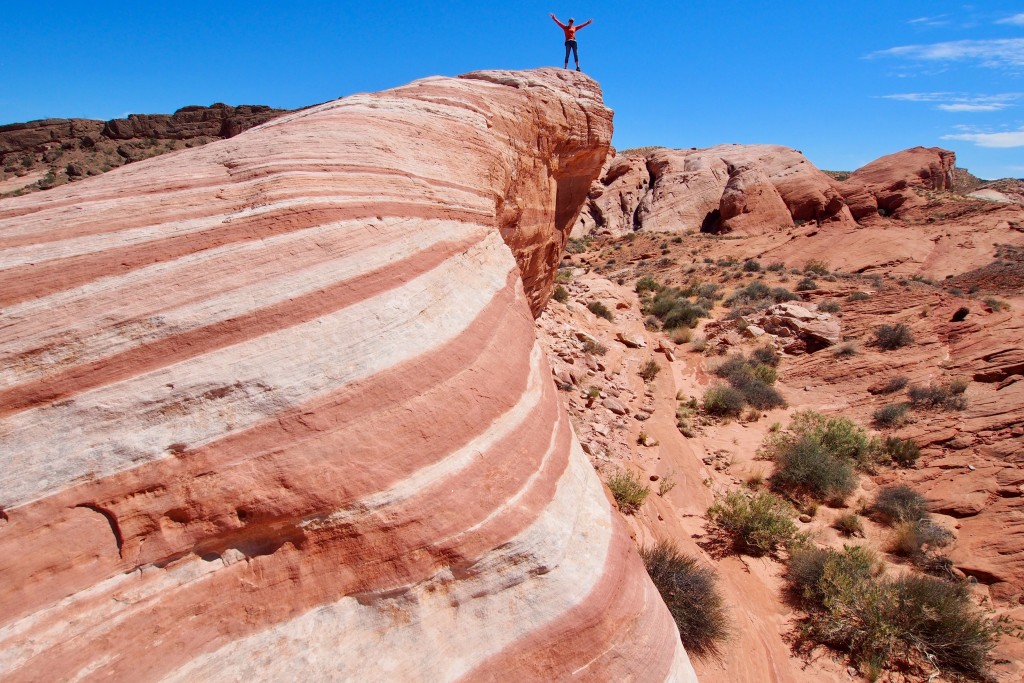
(273, 408)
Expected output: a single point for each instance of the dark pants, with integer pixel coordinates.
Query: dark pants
(571, 45)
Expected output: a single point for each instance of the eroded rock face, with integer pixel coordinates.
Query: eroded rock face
(728, 188)
(892, 184)
(273, 408)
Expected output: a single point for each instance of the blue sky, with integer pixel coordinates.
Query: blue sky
(843, 82)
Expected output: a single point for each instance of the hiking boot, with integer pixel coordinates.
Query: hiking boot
(577, 68)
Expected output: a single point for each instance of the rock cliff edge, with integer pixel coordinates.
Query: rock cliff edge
(273, 408)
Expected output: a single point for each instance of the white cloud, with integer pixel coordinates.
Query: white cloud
(1016, 20)
(960, 102)
(998, 140)
(941, 20)
(994, 53)
(972, 107)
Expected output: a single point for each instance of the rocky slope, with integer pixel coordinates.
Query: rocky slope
(949, 267)
(274, 408)
(50, 152)
(897, 214)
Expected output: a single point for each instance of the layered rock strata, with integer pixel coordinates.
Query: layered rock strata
(274, 409)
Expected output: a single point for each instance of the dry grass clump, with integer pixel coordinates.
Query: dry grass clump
(891, 415)
(649, 370)
(601, 311)
(948, 396)
(758, 524)
(561, 294)
(915, 623)
(892, 337)
(849, 525)
(690, 591)
(628, 490)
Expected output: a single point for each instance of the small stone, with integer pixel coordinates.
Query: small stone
(655, 477)
(806, 519)
(971, 468)
(615, 406)
(631, 341)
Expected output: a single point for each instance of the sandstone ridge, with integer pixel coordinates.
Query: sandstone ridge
(274, 408)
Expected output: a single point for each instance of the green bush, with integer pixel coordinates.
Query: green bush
(757, 524)
(647, 284)
(916, 622)
(601, 311)
(900, 503)
(829, 306)
(561, 294)
(805, 467)
(752, 266)
(753, 380)
(628, 490)
(840, 436)
(903, 452)
(724, 401)
(849, 525)
(891, 415)
(816, 266)
(674, 309)
(781, 294)
(893, 385)
(766, 355)
(690, 591)
(949, 396)
(892, 337)
(806, 284)
(918, 538)
(650, 370)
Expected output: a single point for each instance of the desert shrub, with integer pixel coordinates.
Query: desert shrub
(899, 503)
(893, 385)
(601, 311)
(752, 265)
(776, 267)
(709, 291)
(723, 401)
(628, 490)
(699, 344)
(849, 525)
(903, 452)
(916, 539)
(684, 314)
(816, 266)
(674, 309)
(997, 305)
(650, 370)
(647, 284)
(805, 467)
(753, 380)
(846, 350)
(806, 284)
(891, 415)
(563, 276)
(839, 435)
(766, 355)
(858, 296)
(757, 524)
(579, 245)
(949, 396)
(892, 337)
(830, 306)
(561, 294)
(781, 294)
(762, 396)
(594, 347)
(681, 335)
(754, 293)
(690, 591)
(915, 621)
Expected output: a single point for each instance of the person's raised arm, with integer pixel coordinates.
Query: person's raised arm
(557, 21)
(588, 22)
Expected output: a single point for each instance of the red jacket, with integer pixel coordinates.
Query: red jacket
(570, 31)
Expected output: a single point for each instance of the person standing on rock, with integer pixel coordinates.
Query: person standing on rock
(570, 39)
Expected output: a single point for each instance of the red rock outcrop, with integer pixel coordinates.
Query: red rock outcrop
(274, 408)
(729, 188)
(892, 184)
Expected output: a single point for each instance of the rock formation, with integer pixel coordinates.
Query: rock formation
(729, 188)
(67, 149)
(890, 185)
(274, 409)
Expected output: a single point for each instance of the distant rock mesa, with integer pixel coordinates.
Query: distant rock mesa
(273, 408)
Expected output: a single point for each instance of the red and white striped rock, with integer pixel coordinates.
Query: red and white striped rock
(273, 408)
